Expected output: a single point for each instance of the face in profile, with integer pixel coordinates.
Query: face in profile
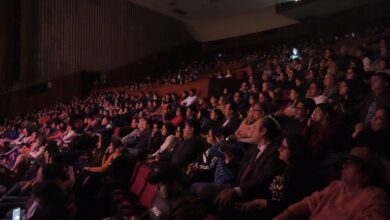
(379, 121)
(284, 151)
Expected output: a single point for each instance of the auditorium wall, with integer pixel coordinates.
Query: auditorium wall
(8, 43)
(94, 35)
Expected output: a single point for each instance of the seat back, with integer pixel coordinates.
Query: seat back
(148, 195)
(135, 172)
(210, 217)
(139, 182)
(116, 131)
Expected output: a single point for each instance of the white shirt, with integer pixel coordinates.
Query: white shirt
(320, 99)
(189, 100)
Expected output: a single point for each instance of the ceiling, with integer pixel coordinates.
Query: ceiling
(209, 20)
(200, 9)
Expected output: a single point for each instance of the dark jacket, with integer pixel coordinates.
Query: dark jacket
(233, 124)
(181, 207)
(264, 170)
(188, 151)
(383, 100)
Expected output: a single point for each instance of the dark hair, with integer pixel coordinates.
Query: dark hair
(352, 87)
(105, 141)
(192, 108)
(193, 90)
(52, 148)
(297, 90)
(272, 126)
(170, 128)
(42, 139)
(194, 124)
(384, 76)
(204, 113)
(376, 172)
(53, 200)
(148, 122)
(182, 110)
(319, 85)
(267, 97)
(53, 172)
(298, 147)
(308, 103)
(116, 142)
(233, 107)
(219, 113)
(223, 132)
(327, 109)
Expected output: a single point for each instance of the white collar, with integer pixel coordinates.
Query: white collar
(262, 147)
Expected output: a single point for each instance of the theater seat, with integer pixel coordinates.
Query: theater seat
(140, 180)
(135, 172)
(210, 217)
(116, 131)
(148, 195)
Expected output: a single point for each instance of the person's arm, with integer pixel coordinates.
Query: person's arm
(55, 136)
(36, 154)
(69, 136)
(168, 141)
(191, 100)
(304, 207)
(184, 102)
(254, 134)
(240, 130)
(102, 168)
(378, 207)
(18, 140)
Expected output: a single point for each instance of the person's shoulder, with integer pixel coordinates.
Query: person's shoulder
(335, 185)
(185, 207)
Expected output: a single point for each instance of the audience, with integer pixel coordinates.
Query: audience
(356, 196)
(249, 152)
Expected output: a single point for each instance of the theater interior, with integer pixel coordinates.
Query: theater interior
(194, 109)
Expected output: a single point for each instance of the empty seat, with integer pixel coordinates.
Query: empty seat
(148, 195)
(139, 182)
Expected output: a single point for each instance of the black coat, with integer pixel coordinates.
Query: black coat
(188, 151)
(265, 169)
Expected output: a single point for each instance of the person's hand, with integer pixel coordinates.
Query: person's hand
(225, 197)
(359, 127)
(24, 185)
(86, 168)
(278, 113)
(309, 122)
(256, 203)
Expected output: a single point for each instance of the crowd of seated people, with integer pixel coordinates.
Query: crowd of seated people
(300, 138)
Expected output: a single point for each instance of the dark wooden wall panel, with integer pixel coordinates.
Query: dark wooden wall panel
(98, 35)
(21, 101)
(8, 43)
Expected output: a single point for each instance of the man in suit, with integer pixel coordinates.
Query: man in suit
(232, 122)
(192, 146)
(258, 169)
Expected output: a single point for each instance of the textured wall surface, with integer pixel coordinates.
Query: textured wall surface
(8, 43)
(97, 35)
